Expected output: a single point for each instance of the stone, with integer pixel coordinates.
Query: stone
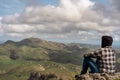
(42, 76)
(98, 76)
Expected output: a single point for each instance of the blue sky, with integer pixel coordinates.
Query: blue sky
(59, 20)
(17, 6)
(51, 2)
(102, 1)
(10, 7)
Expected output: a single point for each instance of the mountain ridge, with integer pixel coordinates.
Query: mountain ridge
(20, 58)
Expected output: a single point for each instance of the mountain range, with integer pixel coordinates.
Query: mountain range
(19, 59)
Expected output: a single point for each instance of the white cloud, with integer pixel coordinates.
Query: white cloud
(115, 4)
(71, 19)
(68, 10)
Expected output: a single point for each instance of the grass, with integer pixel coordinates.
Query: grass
(20, 69)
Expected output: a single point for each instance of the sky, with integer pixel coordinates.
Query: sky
(76, 21)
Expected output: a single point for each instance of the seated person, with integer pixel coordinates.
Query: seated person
(105, 58)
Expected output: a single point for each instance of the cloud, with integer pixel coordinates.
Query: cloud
(71, 19)
(56, 18)
(116, 4)
(68, 10)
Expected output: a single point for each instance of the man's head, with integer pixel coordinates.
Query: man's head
(106, 41)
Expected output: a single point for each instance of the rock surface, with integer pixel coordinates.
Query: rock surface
(43, 76)
(97, 76)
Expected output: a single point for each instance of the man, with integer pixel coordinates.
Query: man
(105, 58)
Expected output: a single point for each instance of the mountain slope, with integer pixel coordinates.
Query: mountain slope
(39, 55)
(37, 49)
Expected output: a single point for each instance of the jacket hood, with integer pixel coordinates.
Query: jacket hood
(106, 41)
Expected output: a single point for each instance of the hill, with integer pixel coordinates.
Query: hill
(38, 49)
(19, 59)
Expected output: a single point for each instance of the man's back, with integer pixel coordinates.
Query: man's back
(107, 60)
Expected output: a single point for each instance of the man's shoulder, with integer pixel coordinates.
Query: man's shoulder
(108, 49)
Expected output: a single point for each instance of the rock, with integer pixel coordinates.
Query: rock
(42, 76)
(98, 76)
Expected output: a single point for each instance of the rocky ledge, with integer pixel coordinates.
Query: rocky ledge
(43, 76)
(97, 76)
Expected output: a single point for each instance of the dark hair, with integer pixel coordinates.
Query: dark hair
(106, 41)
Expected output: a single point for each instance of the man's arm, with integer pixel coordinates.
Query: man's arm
(94, 54)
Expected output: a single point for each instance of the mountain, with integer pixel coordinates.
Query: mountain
(19, 59)
(38, 49)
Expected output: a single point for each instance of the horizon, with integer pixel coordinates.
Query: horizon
(115, 45)
(66, 21)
